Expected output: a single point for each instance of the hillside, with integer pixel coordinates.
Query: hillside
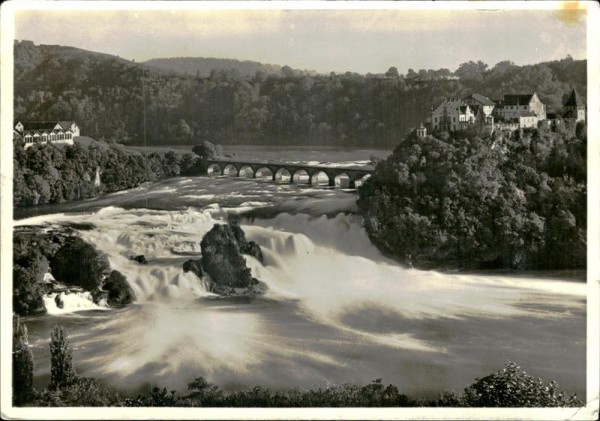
(28, 56)
(203, 66)
(109, 98)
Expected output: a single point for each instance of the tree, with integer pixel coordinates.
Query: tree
(205, 150)
(392, 72)
(62, 372)
(471, 70)
(23, 364)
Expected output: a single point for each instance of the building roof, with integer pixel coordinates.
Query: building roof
(483, 100)
(520, 99)
(527, 114)
(45, 125)
(574, 100)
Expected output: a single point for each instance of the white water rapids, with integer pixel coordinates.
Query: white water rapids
(336, 311)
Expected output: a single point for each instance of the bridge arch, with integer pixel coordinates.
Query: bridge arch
(214, 170)
(283, 174)
(342, 181)
(300, 176)
(246, 171)
(320, 178)
(230, 170)
(264, 173)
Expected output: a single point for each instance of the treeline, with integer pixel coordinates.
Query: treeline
(509, 387)
(57, 173)
(111, 99)
(474, 201)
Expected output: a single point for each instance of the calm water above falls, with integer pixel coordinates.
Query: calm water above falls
(337, 310)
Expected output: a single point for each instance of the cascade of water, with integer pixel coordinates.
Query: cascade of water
(70, 302)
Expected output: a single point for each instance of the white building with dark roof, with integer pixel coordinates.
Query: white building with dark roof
(41, 132)
(513, 105)
(451, 115)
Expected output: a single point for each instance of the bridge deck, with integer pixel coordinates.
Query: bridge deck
(354, 173)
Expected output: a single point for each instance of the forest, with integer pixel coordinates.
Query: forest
(49, 173)
(470, 200)
(134, 103)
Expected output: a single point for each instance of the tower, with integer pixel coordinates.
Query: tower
(575, 107)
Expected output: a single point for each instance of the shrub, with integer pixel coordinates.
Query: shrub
(511, 387)
(80, 392)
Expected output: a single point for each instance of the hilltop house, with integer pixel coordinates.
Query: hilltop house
(61, 132)
(574, 107)
(513, 106)
(451, 115)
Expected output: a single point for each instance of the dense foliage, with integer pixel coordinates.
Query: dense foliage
(31, 250)
(112, 98)
(475, 201)
(78, 263)
(508, 387)
(59, 173)
(22, 363)
(513, 387)
(72, 262)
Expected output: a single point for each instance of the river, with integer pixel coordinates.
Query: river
(337, 310)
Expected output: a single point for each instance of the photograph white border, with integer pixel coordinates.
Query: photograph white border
(589, 412)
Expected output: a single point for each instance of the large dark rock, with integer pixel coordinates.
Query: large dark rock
(78, 263)
(119, 291)
(194, 266)
(140, 258)
(246, 247)
(222, 260)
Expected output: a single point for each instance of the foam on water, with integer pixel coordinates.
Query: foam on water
(71, 302)
(324, 270)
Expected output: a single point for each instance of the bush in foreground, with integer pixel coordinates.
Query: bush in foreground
(512, 387)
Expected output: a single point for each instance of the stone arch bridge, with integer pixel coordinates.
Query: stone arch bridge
(277, 171)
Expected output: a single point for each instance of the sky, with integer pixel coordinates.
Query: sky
(360, 41)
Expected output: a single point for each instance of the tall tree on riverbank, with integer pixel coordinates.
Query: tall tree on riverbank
(23, 364)
(62, 372)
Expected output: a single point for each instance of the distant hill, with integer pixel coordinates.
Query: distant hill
(28, 56)
(203, 66)
(116, 99)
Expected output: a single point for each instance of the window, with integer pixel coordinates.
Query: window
(435, 120)
(454, 119)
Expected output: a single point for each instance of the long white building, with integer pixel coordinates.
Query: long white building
(40, 132)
